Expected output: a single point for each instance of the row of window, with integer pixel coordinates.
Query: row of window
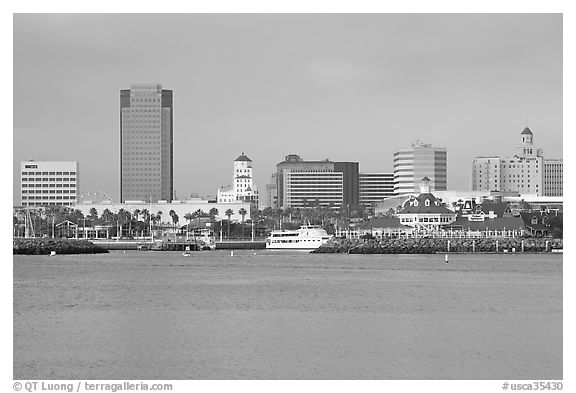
(47, 173)
(43, 197)
(144, 99)
(46, 203)
(49, 192)
(426, 219)
(45, 185)
(48, 179)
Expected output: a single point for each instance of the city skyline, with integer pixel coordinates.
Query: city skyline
(344, 87)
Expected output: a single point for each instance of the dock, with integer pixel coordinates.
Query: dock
(180, 245)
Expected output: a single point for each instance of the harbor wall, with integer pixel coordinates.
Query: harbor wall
(44, 246)
(432, 246)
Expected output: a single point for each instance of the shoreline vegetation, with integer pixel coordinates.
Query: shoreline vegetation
(433, 246)
(44, 246)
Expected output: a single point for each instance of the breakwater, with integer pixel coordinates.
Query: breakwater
(433, 245)
(44, 246)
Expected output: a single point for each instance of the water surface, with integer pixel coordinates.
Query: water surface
(274, 315)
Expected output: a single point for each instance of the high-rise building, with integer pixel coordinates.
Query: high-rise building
(294, 162)
(419, 161)
(374, 187)
(522, 173)
(146, 143)
(553, 177)
(243, 189)
(309, 188)
(325, 186)
(49, 183)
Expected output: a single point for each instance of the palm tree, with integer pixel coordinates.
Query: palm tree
(159, 216)
(175, 219)
(189, 217)
(146, 217)
(213, 213)
(93, 216)
(137, 214)
(107, 216)
(199, 214)
(229, 213)
(243, 213)
(172, 213)
(121, 220)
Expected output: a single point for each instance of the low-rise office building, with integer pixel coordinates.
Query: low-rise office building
(374, 187)
(49, 183)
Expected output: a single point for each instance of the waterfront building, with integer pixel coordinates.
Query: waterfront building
(374, 187)
(181, 208)
(522, 173)
(146, 143)
(243, 188)
(425, 211)
(553, 177)
(418, 161)
(49, 183)
(310, 188)
(316, 180)
(537, 223)
(294, 162)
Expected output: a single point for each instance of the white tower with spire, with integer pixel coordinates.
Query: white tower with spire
(527, 148)
(243, 189)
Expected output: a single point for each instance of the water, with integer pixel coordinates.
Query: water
(274, 315)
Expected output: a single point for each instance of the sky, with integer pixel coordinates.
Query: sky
(348, 87)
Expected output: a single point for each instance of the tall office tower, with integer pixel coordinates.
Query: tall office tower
(243, 189)
(146, 143)
(49, 183)
(553, 177)
(374, 187)
(522, 173)
(419, 161)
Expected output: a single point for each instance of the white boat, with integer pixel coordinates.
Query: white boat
(307, 237)
(187, 252)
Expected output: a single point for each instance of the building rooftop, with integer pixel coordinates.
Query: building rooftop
(425, 203)
(243, 157)
(491, 224)
(526, 131)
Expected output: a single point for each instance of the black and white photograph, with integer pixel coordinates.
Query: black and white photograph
(287, 196)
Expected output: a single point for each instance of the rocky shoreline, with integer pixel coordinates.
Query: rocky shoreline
(44, 246)
(433, 246)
